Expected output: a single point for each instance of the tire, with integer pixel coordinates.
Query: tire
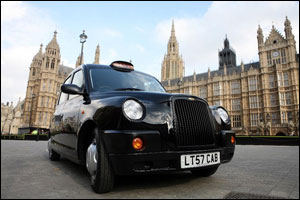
(53, 155)
(205, 172)
(103, 179)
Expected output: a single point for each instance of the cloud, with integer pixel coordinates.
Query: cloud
(140, 29)
(112, 56)
(15, 71)
(140, 48)
(112, 33)
(23, 28)
(200, 37)
(11, 10)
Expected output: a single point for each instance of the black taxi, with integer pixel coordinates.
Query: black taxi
(118, 121)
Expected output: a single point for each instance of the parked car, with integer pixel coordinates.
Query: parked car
(118, 121)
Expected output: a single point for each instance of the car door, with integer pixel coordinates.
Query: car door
(70, 114)
(56, 128)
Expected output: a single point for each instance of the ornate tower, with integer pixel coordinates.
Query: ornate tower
(172, 65)
(279, 76)
(49, 79)
(97, 55)
(41, 94)
(227, 56)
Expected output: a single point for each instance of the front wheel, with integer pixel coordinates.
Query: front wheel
(53, 155)
(205, 172)
(99, 166)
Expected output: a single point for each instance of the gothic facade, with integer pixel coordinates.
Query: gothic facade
(262, 98)
(46, 75)
(45, 78)
(11, 117)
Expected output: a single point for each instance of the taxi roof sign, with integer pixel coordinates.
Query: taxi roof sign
(122, 65)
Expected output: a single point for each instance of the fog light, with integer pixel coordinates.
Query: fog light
(137, 143)
(232, 140)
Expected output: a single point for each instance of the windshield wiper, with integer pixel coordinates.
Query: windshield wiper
(131, 89)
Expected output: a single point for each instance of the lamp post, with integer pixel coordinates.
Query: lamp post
(30, 123)
(268, 124)
(179, 83)
(297, 124)
(83, 38)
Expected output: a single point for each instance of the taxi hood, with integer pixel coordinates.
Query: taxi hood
(154, 97)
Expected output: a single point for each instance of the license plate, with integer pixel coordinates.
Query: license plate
(199, 160)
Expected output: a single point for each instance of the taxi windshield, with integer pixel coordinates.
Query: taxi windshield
(107, 79)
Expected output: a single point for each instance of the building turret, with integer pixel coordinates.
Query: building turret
(260, 36)
(97, 55)
(227, 55)
(288, 30)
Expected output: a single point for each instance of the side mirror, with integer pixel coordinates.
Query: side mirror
(71, 89)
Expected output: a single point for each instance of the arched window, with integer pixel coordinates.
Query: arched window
(47, 63)
(33, 71)
(52, 64)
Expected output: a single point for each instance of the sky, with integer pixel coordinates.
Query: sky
(136, 31)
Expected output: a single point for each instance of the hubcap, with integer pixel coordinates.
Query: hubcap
(91, 158)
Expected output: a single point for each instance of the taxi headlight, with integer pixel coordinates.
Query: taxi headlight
(133, 110)
(223, 114)
(217, 116)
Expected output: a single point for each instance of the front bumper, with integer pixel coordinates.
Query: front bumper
(125, 160)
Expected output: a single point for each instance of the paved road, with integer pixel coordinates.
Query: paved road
(26, 172)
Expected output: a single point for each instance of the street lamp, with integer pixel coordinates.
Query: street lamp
(32, 96)
(179, 83)
(83, 38)
(268, 124)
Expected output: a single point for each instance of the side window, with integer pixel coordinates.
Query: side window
(77, 80)
(63, 96)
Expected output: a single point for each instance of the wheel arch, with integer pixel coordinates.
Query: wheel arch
(85, 137)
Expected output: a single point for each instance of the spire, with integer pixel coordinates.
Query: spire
(53, 43)
(55, 33)
(288, 29)
(97, 55)
(173, 64)
(173, 31)
(259, 30)
(287, 21)
(226, 42)
(242, 66)
(173, 44)
(41, 47)
(260, 36)
(208, 73)
(39, 54)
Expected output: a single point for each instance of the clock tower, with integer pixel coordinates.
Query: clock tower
(279, 76)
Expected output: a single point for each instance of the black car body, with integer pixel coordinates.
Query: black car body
(171, 132)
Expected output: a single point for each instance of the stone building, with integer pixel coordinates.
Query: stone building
(172, 65)
(45, 78)
(261, 97)
(11, 117)
(46, 75)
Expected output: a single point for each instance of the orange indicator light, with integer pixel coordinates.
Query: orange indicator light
(137, 143)
(232, 139)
